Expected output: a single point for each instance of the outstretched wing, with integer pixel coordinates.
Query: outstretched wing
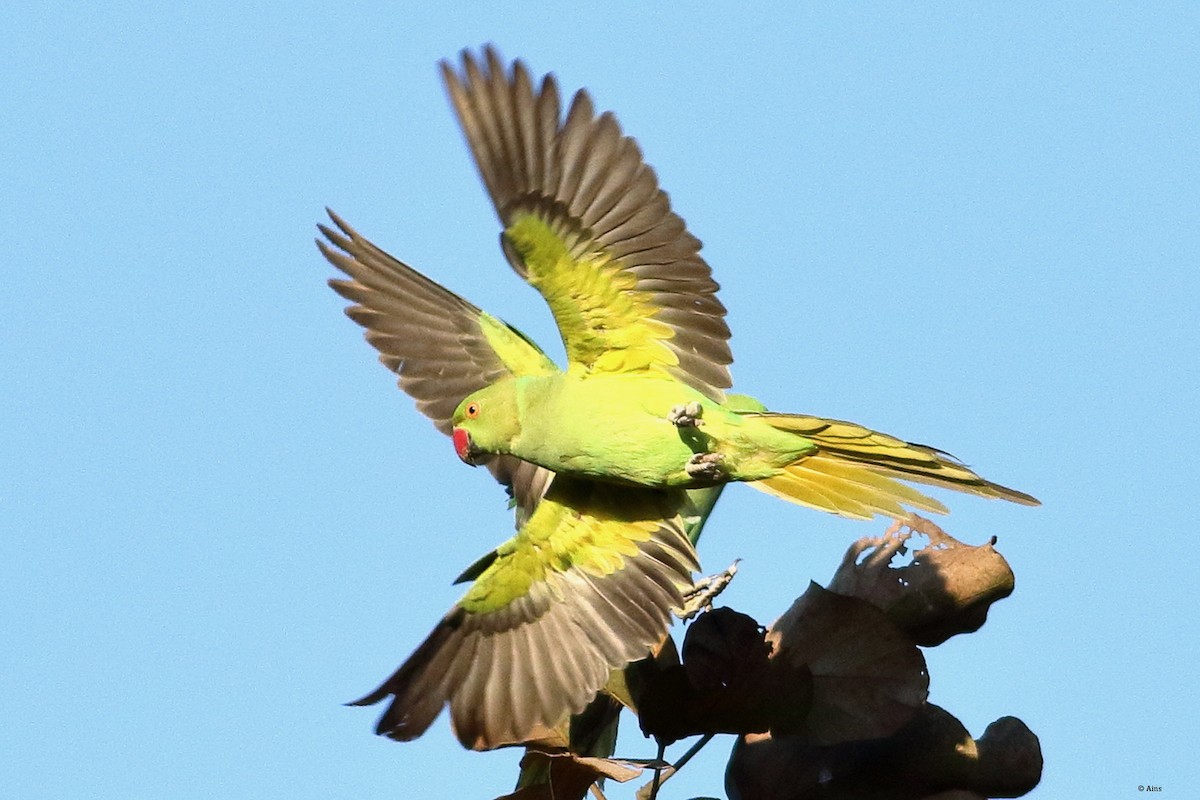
(585, 587)
(441, 346)
(586, 223)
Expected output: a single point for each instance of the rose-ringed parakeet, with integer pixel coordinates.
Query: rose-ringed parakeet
(589, 580)
(650, 430)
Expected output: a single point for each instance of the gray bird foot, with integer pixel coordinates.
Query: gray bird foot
(706, 466)
(686, 415)
(704, 591)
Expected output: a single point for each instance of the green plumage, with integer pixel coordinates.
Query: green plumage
(617, 427)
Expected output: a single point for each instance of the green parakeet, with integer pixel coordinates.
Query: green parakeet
(602, 459)
(589, 580)
(646, 428)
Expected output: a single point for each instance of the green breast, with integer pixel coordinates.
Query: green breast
(606, 426)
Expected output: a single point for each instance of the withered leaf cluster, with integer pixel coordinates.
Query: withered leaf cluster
(829, 702)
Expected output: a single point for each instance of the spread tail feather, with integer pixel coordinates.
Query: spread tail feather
(856, 472)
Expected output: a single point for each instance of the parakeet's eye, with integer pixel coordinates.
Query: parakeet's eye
(472, 410)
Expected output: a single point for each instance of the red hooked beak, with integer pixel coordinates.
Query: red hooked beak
(463, 446)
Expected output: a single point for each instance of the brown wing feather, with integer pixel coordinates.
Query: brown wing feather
(430, 337)
(513, 673)
(588, 183)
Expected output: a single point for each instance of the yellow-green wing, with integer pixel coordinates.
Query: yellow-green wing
(586, 223)
(441, 346)
(586, 586)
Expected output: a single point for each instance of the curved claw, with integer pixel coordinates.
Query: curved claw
(704, 591)
(686, 415)
(707, 467)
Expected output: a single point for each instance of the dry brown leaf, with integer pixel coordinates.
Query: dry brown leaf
(868, 678)
(726, 683)
(933, 753)
(1009, 759)
(569, 776)
(946, 590)
(724, 648)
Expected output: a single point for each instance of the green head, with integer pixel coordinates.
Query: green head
(486, 422)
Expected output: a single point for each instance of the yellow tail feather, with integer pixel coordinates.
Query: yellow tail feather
(856, 471)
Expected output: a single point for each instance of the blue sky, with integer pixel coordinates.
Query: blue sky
(974, 227)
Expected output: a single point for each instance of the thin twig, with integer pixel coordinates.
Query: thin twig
(662, 751)
(686, 757)
(670, 770)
